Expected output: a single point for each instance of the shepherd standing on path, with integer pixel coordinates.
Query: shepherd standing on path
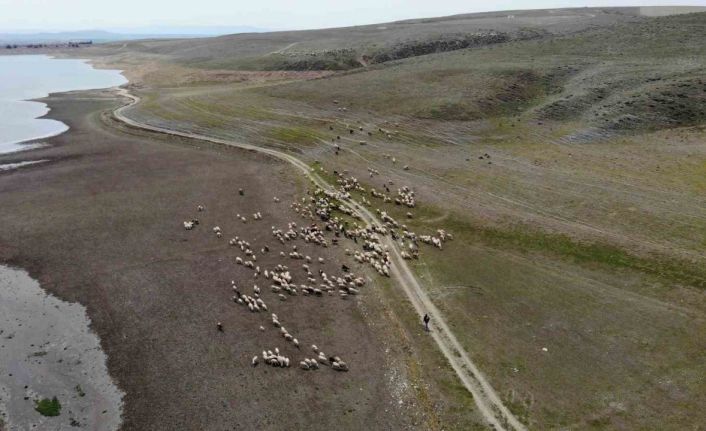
(426, 322)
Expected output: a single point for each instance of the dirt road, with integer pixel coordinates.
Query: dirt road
(486, 399)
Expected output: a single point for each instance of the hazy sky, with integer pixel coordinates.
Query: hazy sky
(50, 15)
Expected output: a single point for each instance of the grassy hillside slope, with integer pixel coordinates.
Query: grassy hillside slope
(351, 47)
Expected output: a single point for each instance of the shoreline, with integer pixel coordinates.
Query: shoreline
(19, 145)
(89, 394)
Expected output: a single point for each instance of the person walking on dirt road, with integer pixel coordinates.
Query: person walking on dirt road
(426, 322)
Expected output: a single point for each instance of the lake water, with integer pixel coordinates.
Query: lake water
(26, 77)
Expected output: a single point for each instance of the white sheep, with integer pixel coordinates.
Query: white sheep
(339, 366)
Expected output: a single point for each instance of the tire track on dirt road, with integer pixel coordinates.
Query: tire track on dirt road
(487, 400)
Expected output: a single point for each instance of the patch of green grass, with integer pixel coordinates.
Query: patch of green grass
(527, 239)
(48, 407)
(295, 135)
(599, 423)
(519, 408)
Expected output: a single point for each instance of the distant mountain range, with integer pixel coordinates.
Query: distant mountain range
(100, 36)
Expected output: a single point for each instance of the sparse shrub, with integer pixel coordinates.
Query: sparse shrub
(48, 407)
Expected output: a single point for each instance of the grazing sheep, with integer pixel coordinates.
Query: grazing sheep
(275, 359)
(188, 225)
(254, 361)
(200, 208)
(339, 366)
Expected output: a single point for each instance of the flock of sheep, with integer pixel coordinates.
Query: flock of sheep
(282, 284)
(331, 221)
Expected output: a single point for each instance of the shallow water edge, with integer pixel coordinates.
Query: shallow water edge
(47, 350)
